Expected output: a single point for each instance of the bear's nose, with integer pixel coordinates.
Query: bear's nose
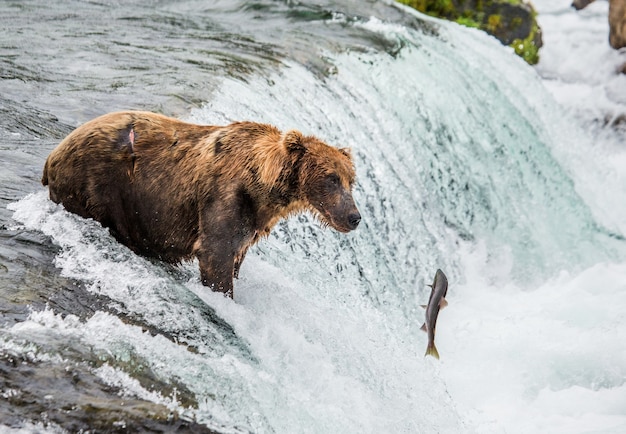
(354, 220)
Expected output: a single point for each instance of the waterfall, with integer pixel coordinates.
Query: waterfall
(458, 152)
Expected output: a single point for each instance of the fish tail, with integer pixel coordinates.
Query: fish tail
(431, 350)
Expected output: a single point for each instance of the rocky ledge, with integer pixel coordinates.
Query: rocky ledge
(513, 22)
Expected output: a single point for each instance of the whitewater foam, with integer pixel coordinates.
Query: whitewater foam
(323, 333)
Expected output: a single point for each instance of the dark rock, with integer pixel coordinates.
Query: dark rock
(512, 22)
(581, 4)
(617, 23)
(69, 395)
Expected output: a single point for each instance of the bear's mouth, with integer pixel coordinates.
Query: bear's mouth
(341, 228)
(326, 218)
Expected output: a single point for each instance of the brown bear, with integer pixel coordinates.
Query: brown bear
(174, 190)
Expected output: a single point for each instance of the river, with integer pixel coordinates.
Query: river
(467, 160)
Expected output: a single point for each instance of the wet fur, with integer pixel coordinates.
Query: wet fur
(174, 190)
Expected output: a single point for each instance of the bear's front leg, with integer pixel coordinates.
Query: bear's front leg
(224, 230)
(216, 271)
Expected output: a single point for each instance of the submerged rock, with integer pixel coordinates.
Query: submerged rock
(67, 395)
(512, 22)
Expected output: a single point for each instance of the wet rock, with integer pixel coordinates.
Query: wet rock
(512, 22)
(617, 22)
(68, 395)
(580, 4)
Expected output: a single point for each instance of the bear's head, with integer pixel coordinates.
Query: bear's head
(326, 178)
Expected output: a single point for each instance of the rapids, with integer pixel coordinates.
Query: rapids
(465, 162)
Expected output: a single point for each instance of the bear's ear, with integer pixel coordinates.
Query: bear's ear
(346, 151)
(293, 141)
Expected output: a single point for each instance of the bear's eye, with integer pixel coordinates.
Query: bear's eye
(333, 180)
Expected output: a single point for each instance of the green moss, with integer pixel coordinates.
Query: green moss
(470, 13)
(435, 8)
(494, 23)
(444, 7)
(516, 22)
(468, 22)
(527, 49)
(420, 5)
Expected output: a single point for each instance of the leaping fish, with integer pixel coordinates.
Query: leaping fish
(436, 302)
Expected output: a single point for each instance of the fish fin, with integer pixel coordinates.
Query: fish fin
(424, 306)
(423, 327)
(443, 303)
(431, 350)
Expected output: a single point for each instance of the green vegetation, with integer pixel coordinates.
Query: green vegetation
(513, 22)
(527, 49)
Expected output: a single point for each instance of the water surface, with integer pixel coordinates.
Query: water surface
(460, 165)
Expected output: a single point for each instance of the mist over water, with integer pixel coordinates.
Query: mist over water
(464, 162)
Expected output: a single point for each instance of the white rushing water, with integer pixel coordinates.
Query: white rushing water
(465, 163)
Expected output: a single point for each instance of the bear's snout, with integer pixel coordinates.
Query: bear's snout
(342, 214)
(353, 220)
(345, 217)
